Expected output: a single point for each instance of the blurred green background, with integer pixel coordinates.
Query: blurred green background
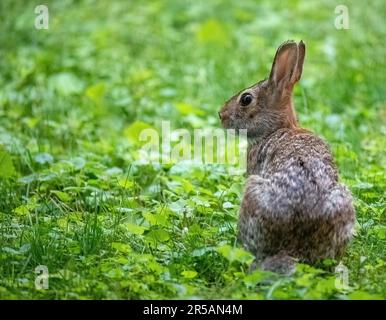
(73, 98)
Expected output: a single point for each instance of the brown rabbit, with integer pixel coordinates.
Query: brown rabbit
(294, 208)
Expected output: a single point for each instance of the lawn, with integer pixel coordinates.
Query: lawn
(78, 201)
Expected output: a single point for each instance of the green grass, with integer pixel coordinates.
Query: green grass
(75, 198)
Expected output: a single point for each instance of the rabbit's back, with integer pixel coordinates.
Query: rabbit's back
(293, 200)
(293, 151)
(298, 163)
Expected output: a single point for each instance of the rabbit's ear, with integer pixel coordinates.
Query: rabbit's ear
(284, 68)
(301, 55)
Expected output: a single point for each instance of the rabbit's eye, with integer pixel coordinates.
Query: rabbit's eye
(246, 99)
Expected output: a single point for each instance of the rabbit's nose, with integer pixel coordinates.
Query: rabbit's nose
(223, 115)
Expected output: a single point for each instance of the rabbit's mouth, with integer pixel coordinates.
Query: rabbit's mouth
(226, 124)
(234, 127)
(225, 119)
(229, 124)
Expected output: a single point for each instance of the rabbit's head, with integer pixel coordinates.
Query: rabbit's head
(267, 106)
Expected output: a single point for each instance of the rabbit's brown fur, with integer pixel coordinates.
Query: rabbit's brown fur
(294, 208)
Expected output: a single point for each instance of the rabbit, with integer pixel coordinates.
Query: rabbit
(293, 208)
